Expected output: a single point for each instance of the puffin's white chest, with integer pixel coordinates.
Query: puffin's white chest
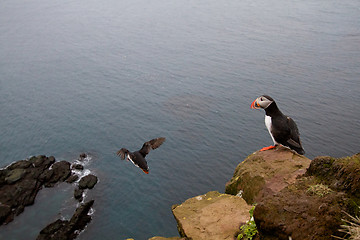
(268, 125)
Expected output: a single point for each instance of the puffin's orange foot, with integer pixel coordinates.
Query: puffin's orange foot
(267, 148)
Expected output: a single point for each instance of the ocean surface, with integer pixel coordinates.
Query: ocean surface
(95, 76)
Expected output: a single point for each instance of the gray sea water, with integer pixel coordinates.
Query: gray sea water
(94, 76)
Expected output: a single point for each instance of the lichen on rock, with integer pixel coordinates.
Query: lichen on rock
(266, 172)
(313, 207)
(211, 216)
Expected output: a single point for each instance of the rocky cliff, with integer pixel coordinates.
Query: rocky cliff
(315, 206)
(295, 198)
(265, 173)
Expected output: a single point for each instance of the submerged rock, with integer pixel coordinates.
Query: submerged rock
(82, 156)
(265, 173)
(313, 207)
(211, 216)
(68, 229)
(78, 194)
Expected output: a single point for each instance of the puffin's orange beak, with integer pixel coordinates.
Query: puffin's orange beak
(255, 105)
(147, 172)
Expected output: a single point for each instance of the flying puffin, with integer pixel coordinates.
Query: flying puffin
(138, 157)
(282, 129)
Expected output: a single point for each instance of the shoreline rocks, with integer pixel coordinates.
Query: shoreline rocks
(22, 180)
(68, 229)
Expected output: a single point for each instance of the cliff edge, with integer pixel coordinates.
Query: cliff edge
(295, 198)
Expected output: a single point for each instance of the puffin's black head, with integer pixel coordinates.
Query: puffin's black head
(262, 102)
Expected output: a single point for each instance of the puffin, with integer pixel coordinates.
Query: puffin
(138, 157)
(283, 129)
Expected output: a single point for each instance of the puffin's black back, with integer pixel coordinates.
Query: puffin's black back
(284, 129)
(139, 160)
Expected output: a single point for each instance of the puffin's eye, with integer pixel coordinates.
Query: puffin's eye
(261, 99)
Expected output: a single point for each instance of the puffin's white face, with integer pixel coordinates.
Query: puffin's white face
(262, 102)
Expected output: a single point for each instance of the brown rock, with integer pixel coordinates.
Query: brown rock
(265, 173)
(314, 206)
(211, 216)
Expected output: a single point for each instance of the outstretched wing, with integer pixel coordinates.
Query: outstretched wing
(152, 144)
(122, 153)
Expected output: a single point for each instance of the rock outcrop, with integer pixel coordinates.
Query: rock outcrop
(295, 197)
(265, 173)
(68, 229)
(314, 206)
(88, 182)
(20, 183)
(211, 216)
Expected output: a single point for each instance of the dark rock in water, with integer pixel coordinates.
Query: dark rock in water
(60, 172)
(72, 178)
(78, 194)
(82, 156)
(50, 230)
(21, 181)
(68, 229)
(5, 211)
(88, 181)
(20, 164)
(77, 167)
(314, 206)
(15, 175)
(42, 161)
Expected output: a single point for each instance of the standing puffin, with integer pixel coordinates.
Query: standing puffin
(138, 157)
(282, 129)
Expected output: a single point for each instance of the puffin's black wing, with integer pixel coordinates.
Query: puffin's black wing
(122, 153)
(294, 140)
(152, 144)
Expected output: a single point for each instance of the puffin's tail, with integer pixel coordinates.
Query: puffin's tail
(300, 151)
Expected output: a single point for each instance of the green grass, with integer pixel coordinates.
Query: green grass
(249, 230)
(351, 228)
